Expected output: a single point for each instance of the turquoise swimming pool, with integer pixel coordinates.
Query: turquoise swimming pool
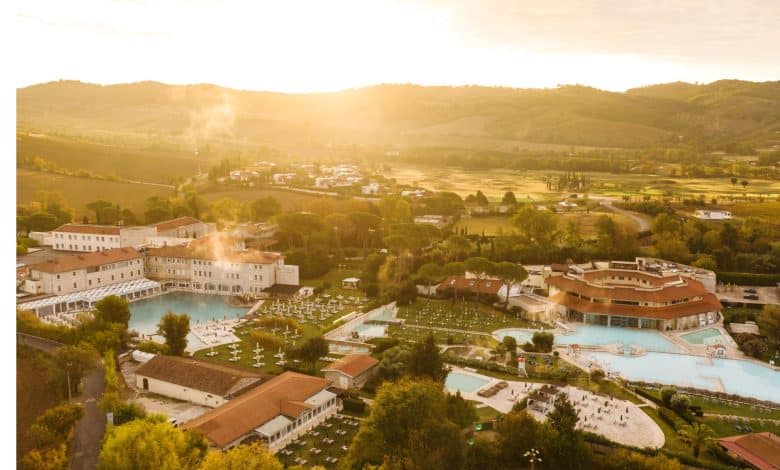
(743, 378)
(464, 382)
(596, 335)
(699, 337)
(145, 314)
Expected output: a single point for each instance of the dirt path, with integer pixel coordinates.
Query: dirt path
(641, 220)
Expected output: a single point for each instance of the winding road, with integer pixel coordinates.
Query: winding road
(642, 221)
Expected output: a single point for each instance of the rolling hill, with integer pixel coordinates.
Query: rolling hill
(720, 112)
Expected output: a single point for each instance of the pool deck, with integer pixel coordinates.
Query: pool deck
(214, 333)
(504, 400)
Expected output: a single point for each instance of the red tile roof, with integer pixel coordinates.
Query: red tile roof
(464, 284)
(86, 260)
(709, 303)
(761, 450)
(282, 395)
(89, 229)
(689, 288)
(214, 253)
(206, 376)
(352, 364)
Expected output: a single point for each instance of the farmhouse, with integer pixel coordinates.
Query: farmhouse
(199, 382)
(351, 371)
(276, 412)
(760, 450)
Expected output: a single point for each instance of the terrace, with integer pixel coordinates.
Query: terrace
(326, 445)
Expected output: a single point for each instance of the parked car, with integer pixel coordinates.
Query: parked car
(751, 291)
(751, 297)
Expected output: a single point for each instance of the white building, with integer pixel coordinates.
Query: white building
(712, 214)
(184, 227)
(243, 175)
(199, 382)
(276, 412)
(416, 193)
(437, 221)
(283, 178)
(370, 188)
(219, 264)
(74, 273)
(351, 371)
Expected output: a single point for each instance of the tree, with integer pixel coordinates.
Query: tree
(157, 209)
(55, 426)
(408, 428)
(510, 274)
(543, 341)
(566, 448)
(265, 207)
(769, 323)
(175, 329)
(627, 460)
(744, 183)
(480, 267)
(510, 343)
(299, 225)
(225, 210)
(426, 361)
(696, 435)
(151, 444)
(706, 262)
(365, 224)
(680, 403)
(98, 207)
(74, 362)
(311, 350)
(509, 198)
(113, 309)
(734, 180)
(251, 456)
(457, 247)
(429, 273)
(667, 393)
(41, 222)
(539, 227)
(518, 433)
(394, 363)
(460, 411)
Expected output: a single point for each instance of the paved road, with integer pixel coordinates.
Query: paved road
(88, 436)
(642, 221)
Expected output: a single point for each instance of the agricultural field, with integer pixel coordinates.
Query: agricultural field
(150, 164)
(77, 192)
(495, 225)
(530, 185)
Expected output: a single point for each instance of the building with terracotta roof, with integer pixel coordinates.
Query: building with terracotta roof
(351, 371)
(79, 272)
(627, 294)
(469, 285)
(200, 382)
(88, 237)
(759, 450)
(219, 263)
(276, 412)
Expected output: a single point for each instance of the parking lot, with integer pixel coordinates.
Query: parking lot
(766, 295)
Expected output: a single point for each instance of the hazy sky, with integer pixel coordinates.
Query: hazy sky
(300, 46)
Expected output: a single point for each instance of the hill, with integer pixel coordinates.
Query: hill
(726, 111)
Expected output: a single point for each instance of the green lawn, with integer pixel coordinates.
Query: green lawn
(725, 428)
(309, 441)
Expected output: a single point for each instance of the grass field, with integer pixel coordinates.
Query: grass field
(149, 163)
(496, 225)
(34, 395)
(530, 183)
(77, 192)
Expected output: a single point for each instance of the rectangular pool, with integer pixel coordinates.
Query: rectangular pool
(145, 314)
(699, 337)
(464, 382)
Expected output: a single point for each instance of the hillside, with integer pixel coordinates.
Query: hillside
(720, 112)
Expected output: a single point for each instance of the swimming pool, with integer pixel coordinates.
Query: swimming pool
(596, 335)
(700, 337)
(743, 378)
(371, 330)
(145, 314)
(464, 382)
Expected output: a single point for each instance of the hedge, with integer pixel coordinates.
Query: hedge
(749, 279)
(671, 418)
(354, 405)
(649, 396)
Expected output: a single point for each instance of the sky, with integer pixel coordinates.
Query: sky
(326, 45)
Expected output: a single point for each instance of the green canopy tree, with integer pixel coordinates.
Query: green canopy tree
(113, 309)
(365, 224)
(426, 360)
(457, 247)
(510, 274)
(311, 350)
(696, 435)
(98, 207)
(769, 323)
(250, 456)
(480, 267)
(75, 361)
(408, 428)
(429, 273)
(174, 329)
(265, 207)
(151, 444)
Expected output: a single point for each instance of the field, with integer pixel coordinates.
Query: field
(495, 225)
(34, 395)
(150, 163)
(77, 192)
(529, 184)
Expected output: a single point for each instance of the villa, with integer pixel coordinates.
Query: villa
(219, 264)
(199, 382)
(631, 295)
(351, 371)
(276, 412)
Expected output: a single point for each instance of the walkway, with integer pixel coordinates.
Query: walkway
(449, 330)
(88, 435)
(642, 221)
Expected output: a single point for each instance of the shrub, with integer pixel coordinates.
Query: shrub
(680, 403)
(667, 393)
(355, 405)
(597, 375)
(528, 347)
(543, 341)
(670, 417)
(748, 279)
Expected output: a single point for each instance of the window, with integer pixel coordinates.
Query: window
(74, 285)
